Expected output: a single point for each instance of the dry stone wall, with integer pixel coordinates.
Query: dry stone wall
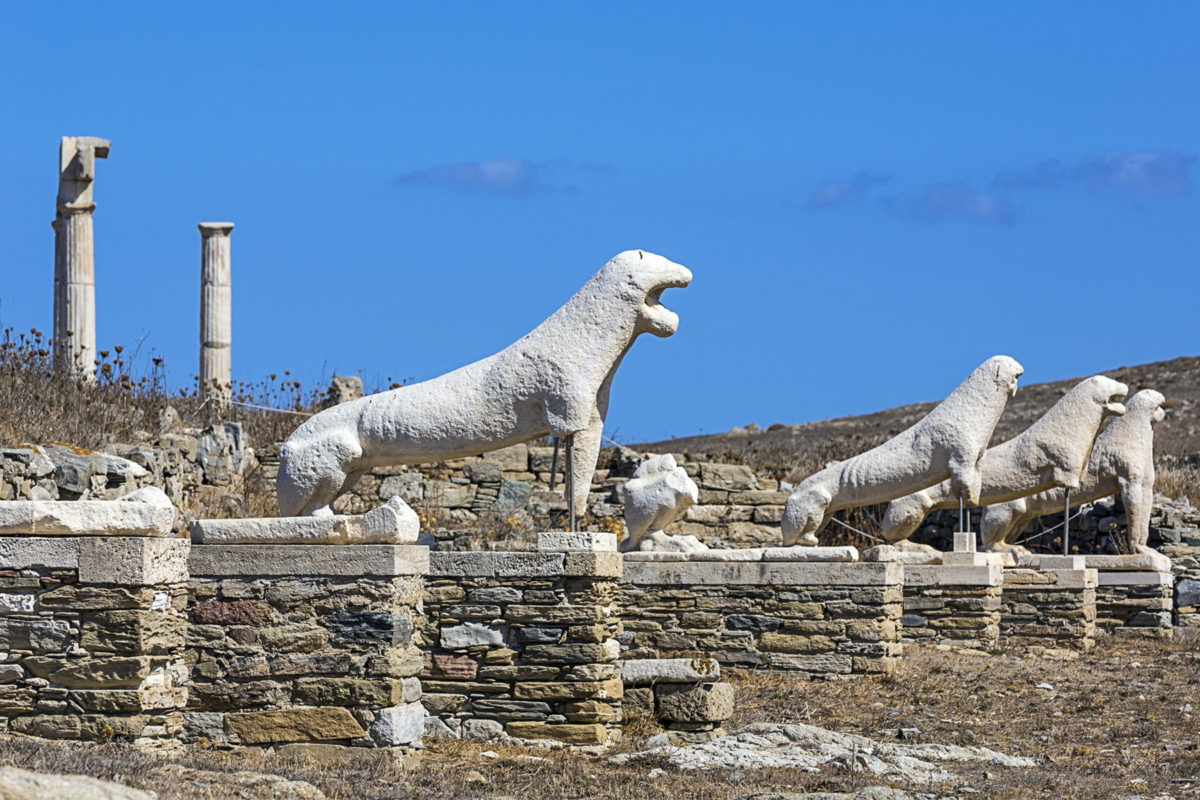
(504, 498)
(812, 619)
(1136, 604)
(1053, 608)
(302, 644)
(956, 605)
(523, 646)
(93, 633)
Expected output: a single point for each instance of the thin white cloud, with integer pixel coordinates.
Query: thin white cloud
(1145, 174)
(954, 200)
(498, 175)
(847, 190)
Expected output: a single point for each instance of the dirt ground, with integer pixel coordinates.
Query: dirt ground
(1120, 722)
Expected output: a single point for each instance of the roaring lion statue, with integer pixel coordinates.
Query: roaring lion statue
(1121, 461)
(947, 443)
(553, 381)
(1053, 451)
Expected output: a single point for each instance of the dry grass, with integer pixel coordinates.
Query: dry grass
(1178, 478)
(1114, 725)
(39, 403)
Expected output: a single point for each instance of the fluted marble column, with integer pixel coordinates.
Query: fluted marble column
(216, 312)
(74, 259)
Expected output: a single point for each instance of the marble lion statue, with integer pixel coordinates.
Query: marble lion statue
(659, 493)
(554, 381)
(1122, 460)
(947, 443)
(1051, 452)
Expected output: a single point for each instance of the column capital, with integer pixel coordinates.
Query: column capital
(212, 228)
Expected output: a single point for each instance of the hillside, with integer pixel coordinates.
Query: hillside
(796, 450)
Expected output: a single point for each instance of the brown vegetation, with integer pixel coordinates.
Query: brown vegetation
(1117, 722)
(39, 403)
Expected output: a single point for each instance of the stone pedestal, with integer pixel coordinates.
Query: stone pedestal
(523, 646)
(92, 626)
(216, 312)
(74, 261)
(304, 644)
(809, 618)
(955, 605)
(1053, 608)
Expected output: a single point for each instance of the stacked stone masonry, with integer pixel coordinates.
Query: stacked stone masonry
(812, 619)
(505, 496)
(302, 644)
(952, 605)
(523, 646)
(93, 632)
(1053, 608)
(1138, 604)
(681, 695)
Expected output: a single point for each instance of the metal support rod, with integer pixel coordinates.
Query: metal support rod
(554, 465)
(569, 480)
(1067, 524)
(962, 522)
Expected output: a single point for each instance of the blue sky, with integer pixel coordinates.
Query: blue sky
(873, 197)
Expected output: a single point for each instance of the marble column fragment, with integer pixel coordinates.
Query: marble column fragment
(74, 258)
(216, 313)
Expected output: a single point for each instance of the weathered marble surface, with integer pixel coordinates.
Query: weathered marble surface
(554, 381)
(1053, 451)
(146, 512)
(1122, 460)
(947, 443)
(392, 523)
(659, 493)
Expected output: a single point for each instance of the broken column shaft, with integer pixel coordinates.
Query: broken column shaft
(216, 313)
(74, 259)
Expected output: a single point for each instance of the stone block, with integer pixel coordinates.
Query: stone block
(1138, 562)
(24, 552)
(938, 575)
(702, 702)
(732, 477)
(392, 523)
(1130, 578)
(470, 634)
(1049, 562)
(453, 564)
(398, 725)
(125, 517)
(598, 565)
(38, 635)
(285, 560)
(557, 541)
(293, 725)
(91, 672)
(529, 565)
(801, 553)
(133, 561)
(131, 631)
(570, 734)
(642, 671)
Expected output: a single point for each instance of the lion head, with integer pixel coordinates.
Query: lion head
(641, 278)
(1148, 400)
(1106, 392)
(1005, 371)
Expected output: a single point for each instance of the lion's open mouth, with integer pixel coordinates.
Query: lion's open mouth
(664, 320)
(1114, 405)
